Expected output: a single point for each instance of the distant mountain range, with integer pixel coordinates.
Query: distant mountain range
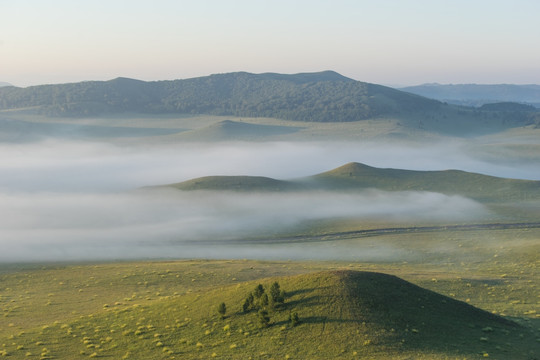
(355, 176)
(2, 84)
(318, 97)
(478, 95)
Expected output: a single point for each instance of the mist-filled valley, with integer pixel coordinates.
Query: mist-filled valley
(408, 230)
(67, 199)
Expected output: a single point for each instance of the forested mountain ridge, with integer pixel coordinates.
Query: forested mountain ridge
(316, 97)
(323, 96)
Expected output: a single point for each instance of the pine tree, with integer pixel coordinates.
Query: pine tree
(274, 291)
(259, 290)
(277, 295)
(264, 318)
(264, 300)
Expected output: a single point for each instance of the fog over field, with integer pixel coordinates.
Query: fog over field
(67, 226)
(72, 201)
(64, 166)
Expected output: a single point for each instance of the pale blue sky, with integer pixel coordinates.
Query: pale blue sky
(386, 41)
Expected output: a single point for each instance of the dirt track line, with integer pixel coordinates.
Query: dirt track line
(384, 231)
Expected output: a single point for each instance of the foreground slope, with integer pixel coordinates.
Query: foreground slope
(343, 314)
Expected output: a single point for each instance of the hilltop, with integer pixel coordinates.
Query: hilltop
(355, 176)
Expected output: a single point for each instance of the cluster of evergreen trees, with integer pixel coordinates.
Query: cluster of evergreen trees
(263, 302)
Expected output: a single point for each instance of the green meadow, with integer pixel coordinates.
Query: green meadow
(428, 309)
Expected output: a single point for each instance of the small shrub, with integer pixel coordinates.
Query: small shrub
(294, 319)
(222, 309)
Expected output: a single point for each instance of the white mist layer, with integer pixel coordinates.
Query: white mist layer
(170, 223)
(65, 200)
(64, 166)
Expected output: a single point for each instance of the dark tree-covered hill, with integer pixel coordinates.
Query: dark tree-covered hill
(320, 97)
(324, 96)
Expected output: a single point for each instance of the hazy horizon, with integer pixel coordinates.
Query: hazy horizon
(397, 43)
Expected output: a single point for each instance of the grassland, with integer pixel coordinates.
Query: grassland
(167, 309)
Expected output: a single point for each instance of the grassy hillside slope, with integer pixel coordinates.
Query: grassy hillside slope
(342, 314)
(451, 182)
(356, 176)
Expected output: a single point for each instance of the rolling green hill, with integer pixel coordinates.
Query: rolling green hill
(228, 130)
(450, 182)
(342, 314)
(235, 183)
(355, 176)
(317, 97)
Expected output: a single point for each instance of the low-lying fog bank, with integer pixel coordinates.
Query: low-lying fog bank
(76, 200)
(64, 226)
(64, 166)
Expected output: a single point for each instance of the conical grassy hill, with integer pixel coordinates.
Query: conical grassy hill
(451, 182)
(342, 314)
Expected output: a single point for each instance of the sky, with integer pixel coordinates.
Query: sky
(391, 42)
